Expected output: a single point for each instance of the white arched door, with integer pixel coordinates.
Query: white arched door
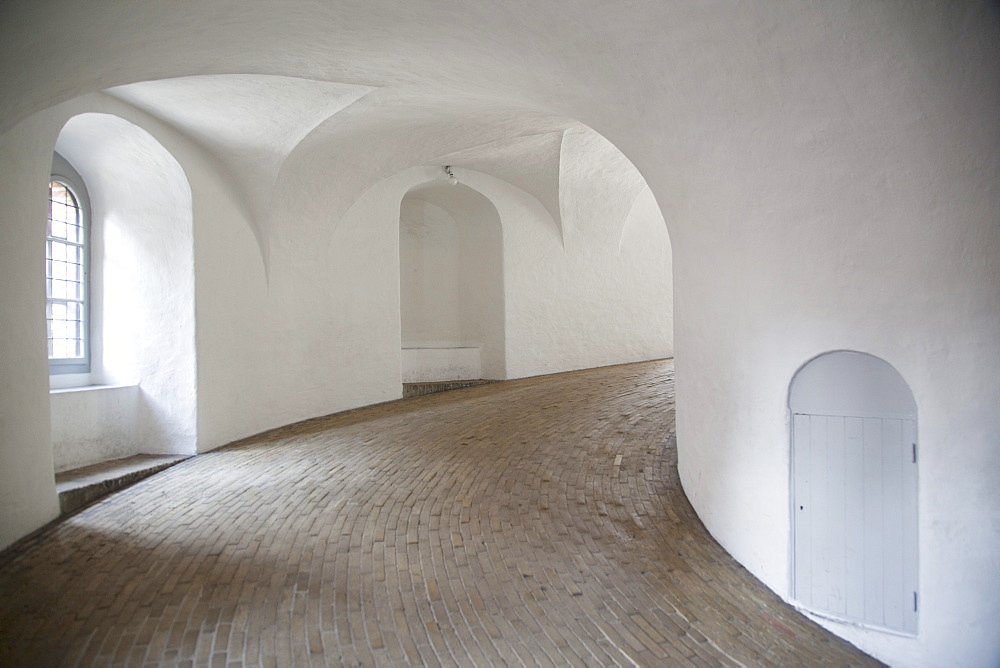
(854, 471)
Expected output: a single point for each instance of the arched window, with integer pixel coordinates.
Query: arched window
(66, 270)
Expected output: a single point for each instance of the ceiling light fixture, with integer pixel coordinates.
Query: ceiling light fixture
(452, 179)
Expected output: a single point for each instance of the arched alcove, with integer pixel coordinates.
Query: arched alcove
(451, 285)
(141, 394)
(854, 491)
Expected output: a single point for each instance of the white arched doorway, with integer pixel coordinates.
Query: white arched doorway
(451, 285)
(854, 491)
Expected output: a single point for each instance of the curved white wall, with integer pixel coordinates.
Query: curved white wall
(603, 296)
(862, 216)
(27, 486)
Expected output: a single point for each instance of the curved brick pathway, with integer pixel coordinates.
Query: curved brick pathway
(537, 521)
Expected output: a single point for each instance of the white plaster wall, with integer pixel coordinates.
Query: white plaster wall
(332, 318)
(861, 215)
(141, 206)
(27, 486)
(430, 252)
(482, 278)
(645, 307)
(234, 333)
(95, 425)
(603, 293)
(428, 365)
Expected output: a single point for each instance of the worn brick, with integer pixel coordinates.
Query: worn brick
(536, 521)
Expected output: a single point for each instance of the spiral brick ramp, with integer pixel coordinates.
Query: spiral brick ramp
(535, 522)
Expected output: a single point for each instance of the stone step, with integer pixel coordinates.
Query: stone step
(418, 389)
(78, 487)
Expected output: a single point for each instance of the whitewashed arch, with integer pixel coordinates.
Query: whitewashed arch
(451, 284)
(143, 308)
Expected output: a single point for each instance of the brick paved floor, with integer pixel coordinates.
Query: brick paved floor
(534, 522)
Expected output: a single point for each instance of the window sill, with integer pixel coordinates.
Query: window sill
(88, 388)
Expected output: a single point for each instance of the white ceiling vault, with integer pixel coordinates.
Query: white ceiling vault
(252, 123)
(249, 122)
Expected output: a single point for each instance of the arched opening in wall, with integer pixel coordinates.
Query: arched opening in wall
(854, 491)
(451, 285)
(140, 390)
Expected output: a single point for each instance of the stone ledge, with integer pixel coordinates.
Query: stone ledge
(78, 487)
(419, 389)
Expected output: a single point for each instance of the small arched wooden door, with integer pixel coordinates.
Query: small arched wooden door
(854, 491)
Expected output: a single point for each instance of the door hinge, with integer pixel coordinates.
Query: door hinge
(914, 453)
(914, 601)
